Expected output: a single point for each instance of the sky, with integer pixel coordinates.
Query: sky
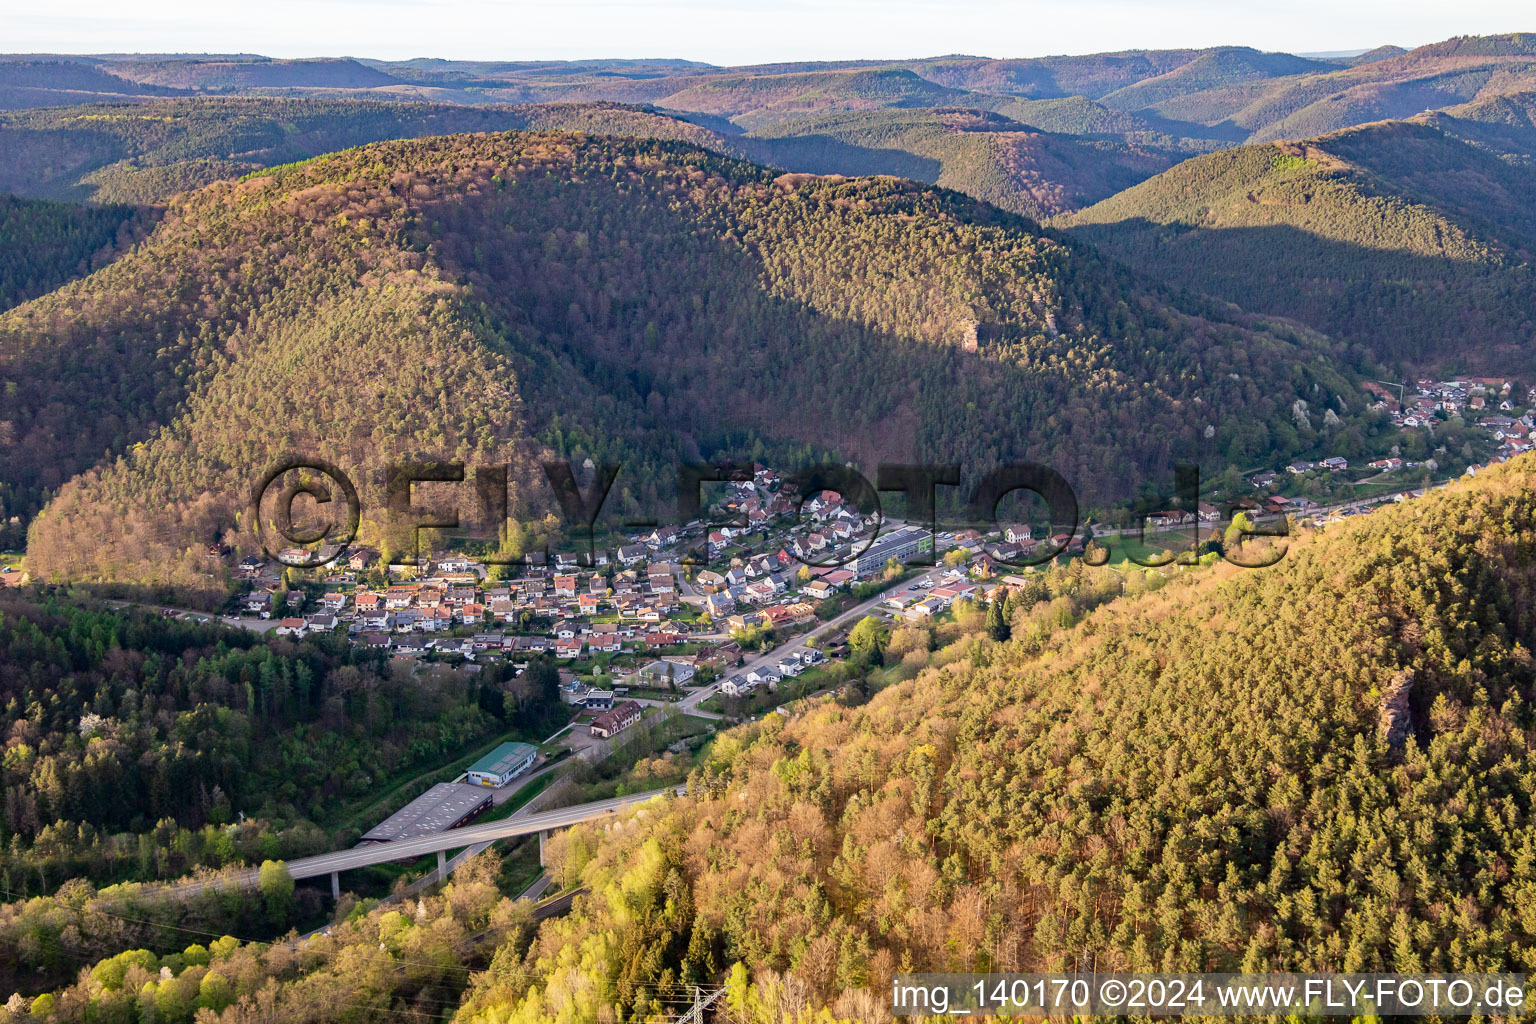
(740, 32)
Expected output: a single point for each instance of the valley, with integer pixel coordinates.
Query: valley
(530, 540)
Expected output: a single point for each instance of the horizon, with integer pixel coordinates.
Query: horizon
(747, 33)
(252, 56)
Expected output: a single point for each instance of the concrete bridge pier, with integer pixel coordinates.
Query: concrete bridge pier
(335, 885)
(542, 837)
(442, 866)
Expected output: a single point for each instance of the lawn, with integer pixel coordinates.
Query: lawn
(761, 701)
(614, 773)
(520, 799)
(653, 693)
(1121, 547)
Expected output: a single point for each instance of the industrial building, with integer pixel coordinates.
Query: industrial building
(903, 545)
(446, 805)
(502, 765)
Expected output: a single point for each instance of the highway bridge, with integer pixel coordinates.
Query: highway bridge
(409, 849)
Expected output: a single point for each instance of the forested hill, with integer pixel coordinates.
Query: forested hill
(945, 119)
(985, 155)
(1319, 766)
(496, 297)
(146, 152)
(1396, 235)
(1504, 124)
(1223, 93)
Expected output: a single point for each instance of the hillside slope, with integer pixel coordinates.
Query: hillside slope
(1505, 123)
(1219, 94)
(527, 293)
(754, 101)
(1214, 69)
(146, 152)
(1394, 235)
(1323, 765)
(1090, 75)
(44, 83)
(983, 155)
(220, 75)
(1439, 75)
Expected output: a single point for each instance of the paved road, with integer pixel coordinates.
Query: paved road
(690, 704)
(539, 887)
(453, 839)
(255, 625)
(853, 614)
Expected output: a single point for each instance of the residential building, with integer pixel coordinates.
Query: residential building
(737, 686)
(610, 723)
(668, 672)
(765, 676)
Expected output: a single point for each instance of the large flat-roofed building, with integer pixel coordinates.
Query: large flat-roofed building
(444, 806)
(903, 545)
(502, 765)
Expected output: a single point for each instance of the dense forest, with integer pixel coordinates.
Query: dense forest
(1186, 91)
(1321, 765)
(984, 155)
(1504, 123)
(409, 961)
(523, 292)
(140, 747)
(49, 243)
(148, 151)
(1130, 113)
(1395, 236)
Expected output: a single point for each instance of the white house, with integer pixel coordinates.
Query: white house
(737, 686)
(765, 675)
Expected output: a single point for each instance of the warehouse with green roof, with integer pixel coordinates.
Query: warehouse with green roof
(502, 765)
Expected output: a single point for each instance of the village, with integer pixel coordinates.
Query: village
(681, 606)
(661, 613)
(1320, 491)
